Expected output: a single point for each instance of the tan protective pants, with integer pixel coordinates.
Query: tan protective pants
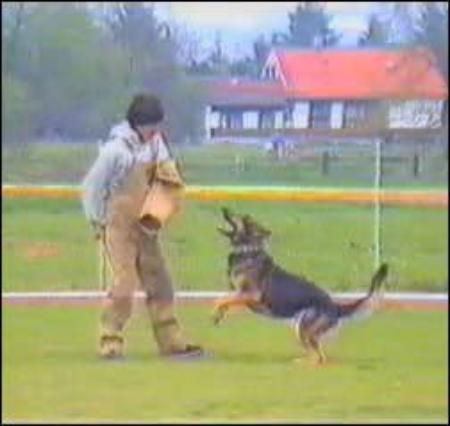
(137, 263)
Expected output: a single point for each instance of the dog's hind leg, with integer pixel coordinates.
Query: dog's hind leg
(302, 338)
(315, 344)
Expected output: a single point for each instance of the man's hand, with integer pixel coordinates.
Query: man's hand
(98, 229)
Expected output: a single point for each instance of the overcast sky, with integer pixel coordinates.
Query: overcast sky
(239, 23)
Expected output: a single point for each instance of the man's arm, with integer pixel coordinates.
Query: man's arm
(166, 170)
(96, 186)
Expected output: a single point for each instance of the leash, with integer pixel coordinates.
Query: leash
(102, 257)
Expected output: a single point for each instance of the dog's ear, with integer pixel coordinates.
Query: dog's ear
(248, 222)
(227, 234)
(227, 214)
(263, 230)
(251, 226)
(266, 232)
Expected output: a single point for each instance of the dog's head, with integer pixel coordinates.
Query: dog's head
(244, 231)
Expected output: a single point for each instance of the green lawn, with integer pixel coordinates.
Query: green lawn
(392, 367)
(235, 165)
(47, 245)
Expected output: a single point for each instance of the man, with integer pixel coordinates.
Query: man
(134, 161)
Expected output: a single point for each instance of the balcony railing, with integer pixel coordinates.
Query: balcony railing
(335, 133)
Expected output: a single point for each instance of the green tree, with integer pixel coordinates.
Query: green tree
(432, 31)
(244, 67)
(151, 51)
(17, 110)
(309, 25)
(17, 102)
(72, 69)
(376, 34)
(65, 73)
(261, 49)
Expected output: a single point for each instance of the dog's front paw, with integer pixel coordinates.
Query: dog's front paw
(218, 315)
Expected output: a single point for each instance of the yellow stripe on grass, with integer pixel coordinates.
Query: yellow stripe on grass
(203, 193)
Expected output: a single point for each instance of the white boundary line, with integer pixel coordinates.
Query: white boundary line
(421, 297)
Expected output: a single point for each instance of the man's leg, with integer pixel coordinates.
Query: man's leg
(121, 253)
(160, 301)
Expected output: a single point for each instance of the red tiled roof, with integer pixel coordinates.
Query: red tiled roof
(246, 91)
(362, 74)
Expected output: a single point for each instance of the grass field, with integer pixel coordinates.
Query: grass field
(47, 245)
(216, 165)
(391, 367)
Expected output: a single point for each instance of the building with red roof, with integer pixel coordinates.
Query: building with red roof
(332, 91)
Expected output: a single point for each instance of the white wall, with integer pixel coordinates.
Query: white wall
(271, 63)
(279, 124)
(415, 114)
(300, 115)
(211, 119)
(250, 119)
(337, 115)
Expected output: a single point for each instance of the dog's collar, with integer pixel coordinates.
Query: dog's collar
(248, 248)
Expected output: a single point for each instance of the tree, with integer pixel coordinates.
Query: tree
(376, 34)
(12, 24)
(72, 69)
(53, 74)
(17, 102)
(432, 31)
(261, 49)
(401, 23)
(309, 26)
(218, 59)
(70, 79)
(422, 24)
(152, 50)
(17, 110)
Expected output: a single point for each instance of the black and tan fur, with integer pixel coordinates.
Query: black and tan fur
(266, 288)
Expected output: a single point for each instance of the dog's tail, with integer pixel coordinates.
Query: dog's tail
(364, 306)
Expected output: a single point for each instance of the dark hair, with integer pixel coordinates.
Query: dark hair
(145, 109)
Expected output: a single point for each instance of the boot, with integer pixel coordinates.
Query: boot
(168, 333)
(111, 346)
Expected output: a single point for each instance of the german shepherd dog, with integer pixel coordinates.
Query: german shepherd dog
(266, 288)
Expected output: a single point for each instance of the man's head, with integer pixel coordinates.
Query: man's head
(144, 114)
(245, 231)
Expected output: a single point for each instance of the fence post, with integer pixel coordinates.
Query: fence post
(378, 185)
(325, 163)
(416, 164)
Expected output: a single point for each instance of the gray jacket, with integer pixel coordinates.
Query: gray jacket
(116, 158)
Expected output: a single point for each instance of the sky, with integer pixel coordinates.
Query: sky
(239, 23)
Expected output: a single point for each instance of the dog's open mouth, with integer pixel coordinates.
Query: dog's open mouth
(233, 226)
(243, 229)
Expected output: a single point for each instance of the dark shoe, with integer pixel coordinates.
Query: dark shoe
(190, 352)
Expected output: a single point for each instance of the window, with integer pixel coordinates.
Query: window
(273, 73)
(234, 120)
(266, 119)
(444, 117)
(270, 73)
(320, 115)
(287, 117)
(355, 114)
